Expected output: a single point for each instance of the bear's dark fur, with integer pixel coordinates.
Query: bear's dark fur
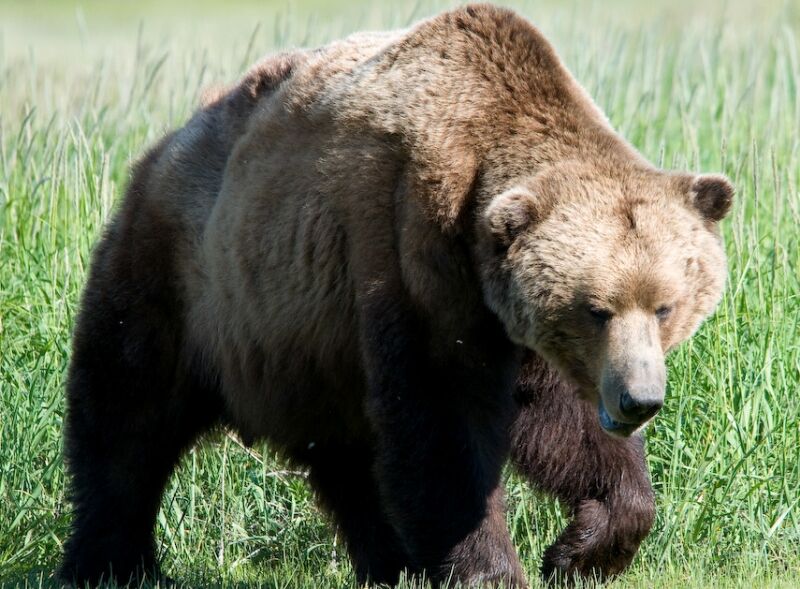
(307, 261)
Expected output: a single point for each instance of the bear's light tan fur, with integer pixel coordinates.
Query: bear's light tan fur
(377, 150)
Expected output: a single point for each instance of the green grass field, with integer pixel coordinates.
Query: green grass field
(84, 88)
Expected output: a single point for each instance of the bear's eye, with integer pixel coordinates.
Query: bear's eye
(663, 312)
(602, 316)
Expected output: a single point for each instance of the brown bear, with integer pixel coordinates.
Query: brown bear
(401, 259)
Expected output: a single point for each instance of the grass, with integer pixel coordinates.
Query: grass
(84, 88)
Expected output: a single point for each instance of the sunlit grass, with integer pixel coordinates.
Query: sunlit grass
(715, 91)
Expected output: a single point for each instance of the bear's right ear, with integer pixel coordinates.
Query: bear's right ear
(510, 213)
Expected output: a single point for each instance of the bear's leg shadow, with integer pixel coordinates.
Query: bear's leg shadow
(442, 432)
(130, 414)
(343, 480)
(558, 444)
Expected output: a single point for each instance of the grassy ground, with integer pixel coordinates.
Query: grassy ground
(84, 88)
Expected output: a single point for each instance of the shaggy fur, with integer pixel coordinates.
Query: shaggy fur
(377, 256)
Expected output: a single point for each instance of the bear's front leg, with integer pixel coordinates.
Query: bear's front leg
(557, 442)
(441, 426)
(487, 556)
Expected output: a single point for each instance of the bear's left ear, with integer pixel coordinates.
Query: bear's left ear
(510, 213)
(712, 196)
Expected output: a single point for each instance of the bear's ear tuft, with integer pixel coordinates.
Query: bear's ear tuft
(510, 213)
(712, 195)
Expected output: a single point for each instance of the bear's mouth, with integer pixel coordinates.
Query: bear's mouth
(614, 427)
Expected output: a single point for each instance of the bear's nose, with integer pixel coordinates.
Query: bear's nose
(641, 405)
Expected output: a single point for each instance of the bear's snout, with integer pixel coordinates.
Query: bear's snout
(633, 378)
(641, 405)
(626, 406)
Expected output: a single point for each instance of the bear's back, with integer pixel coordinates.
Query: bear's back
(317, 159)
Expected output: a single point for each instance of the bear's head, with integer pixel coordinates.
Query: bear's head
(603, 272)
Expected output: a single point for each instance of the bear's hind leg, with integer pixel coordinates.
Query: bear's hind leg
(126, 427)
(558, 444)
(125, 431)
(133, 406)
(342, 478)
